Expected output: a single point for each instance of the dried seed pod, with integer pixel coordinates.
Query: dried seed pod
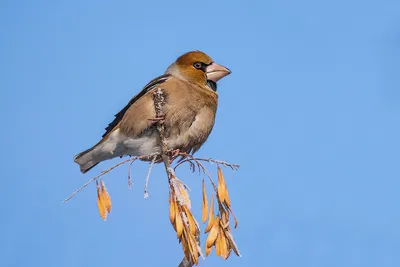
(213, 234)
(232, 243)
(178, 222)
(227, 199)
(229, 209)
(105, 196)
(224, 245)
(221, 185)
(224, 216)
(172, 204)
(192, 222)
(185, 247)
(103, 200)
(100, 205)
(208, 250)
(218, 244)
(211, 217)
(193, 249)
(204, 210)
(226, 256)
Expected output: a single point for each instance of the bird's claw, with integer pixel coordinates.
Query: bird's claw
(173, 153)
(156, 120)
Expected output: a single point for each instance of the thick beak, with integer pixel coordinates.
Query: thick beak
(216, 72)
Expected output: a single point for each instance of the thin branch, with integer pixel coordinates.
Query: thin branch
(129, 174)
(97, 177)
(234, 167)
(105, 172)
(204, 169)
(159, 101)
(185, 263)
(146, 191)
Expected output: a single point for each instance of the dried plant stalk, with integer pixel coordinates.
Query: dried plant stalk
(181, 217)
(190, 232)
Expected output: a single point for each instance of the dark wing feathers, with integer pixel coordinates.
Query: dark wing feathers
(148, 87)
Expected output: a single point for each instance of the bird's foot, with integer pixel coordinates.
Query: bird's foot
(173, 153)
(156, 120)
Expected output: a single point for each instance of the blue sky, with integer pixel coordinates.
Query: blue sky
(311, 112)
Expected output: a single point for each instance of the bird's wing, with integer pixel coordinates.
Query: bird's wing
(118, 117)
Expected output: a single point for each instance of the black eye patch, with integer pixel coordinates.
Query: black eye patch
(200, 66)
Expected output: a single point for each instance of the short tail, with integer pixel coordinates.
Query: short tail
(85, 160)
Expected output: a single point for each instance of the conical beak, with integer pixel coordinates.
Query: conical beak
(216, 72)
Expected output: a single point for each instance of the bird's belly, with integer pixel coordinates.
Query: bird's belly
(141, 146)
(150, 144)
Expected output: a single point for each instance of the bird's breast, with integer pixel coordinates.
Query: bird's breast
(189, 116)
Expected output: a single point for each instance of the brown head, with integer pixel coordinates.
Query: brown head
(197, 67)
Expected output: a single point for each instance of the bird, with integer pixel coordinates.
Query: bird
(191, 99)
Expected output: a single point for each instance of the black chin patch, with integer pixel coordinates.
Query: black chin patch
(212, 85)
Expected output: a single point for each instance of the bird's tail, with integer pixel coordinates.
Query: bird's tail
(86, 160)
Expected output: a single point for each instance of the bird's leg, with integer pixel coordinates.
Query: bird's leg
(173, 153)
(156, 120)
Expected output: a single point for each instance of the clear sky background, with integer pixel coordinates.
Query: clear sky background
(311, 112)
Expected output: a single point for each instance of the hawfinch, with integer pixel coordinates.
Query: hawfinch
(191, 99)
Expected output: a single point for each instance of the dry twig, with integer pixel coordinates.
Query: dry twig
(184, 223)
(146, 185)
(234, 167)
(105, 172)
(159, 102)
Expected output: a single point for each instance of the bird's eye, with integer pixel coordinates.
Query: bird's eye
(198, 65)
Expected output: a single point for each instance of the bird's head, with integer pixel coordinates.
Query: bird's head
(197, 67)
